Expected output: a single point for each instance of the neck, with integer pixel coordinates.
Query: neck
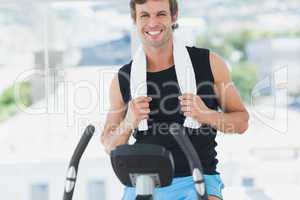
(159, 58)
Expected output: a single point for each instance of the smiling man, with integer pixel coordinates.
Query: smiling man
(164, 105)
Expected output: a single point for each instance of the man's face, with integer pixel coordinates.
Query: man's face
(154, 22)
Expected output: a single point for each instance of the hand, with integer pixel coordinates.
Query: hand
(138, 109)
(193, 106)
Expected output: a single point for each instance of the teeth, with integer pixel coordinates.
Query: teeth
(154, 32)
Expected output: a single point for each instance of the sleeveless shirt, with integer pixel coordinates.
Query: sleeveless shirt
(163, 87)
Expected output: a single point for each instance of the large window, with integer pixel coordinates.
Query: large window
(58, 33)
(96, 190)
(39, 192)
(52, 36)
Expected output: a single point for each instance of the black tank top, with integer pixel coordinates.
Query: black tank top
(163, 87)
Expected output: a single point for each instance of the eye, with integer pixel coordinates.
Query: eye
(161, 14)
(144, 16)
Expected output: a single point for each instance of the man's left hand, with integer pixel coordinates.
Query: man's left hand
(193, 106)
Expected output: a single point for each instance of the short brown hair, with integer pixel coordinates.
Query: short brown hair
(173, 8)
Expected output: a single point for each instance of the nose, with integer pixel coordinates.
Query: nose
(153, 22)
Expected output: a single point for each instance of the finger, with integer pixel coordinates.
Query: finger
(142, 99)
(144, 116)
(143, 105)
(185, 102)
(144, 111)
(138, 99)
(187, 114)
(185, 108)
(187, 96)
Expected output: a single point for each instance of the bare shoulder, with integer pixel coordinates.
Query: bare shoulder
(220, 68)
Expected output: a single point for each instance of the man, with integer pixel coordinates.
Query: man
(164, 105)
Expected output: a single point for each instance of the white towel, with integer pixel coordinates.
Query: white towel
(184, 72)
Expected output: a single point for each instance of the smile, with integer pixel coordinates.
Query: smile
(153, 33)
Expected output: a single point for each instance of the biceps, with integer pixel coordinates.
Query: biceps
(117, 108)
(117, 105)
(229, 98)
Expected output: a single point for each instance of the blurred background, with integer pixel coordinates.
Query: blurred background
(57, 59)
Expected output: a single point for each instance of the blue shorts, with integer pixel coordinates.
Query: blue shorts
(182, 188)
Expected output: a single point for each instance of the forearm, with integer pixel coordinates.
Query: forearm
(114, 136)
(234, 122)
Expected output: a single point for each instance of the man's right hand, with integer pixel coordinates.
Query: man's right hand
(138, 109)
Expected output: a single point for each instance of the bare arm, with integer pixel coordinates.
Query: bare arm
(116, 130)
(120, 122)
(234, 118)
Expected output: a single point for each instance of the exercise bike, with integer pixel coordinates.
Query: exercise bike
(143, 166)
(148, 166)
